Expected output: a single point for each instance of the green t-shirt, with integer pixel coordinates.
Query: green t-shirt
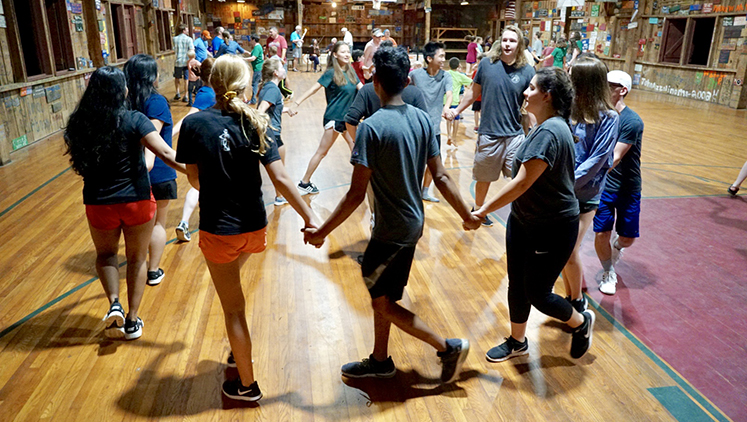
(259, 54)
(458, 80)
(339, 98)
(557, 57)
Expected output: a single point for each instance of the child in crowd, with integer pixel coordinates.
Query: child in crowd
(193, 67)
(358, 64)
(459, 81)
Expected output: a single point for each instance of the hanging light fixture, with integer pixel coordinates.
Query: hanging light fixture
(334, 5)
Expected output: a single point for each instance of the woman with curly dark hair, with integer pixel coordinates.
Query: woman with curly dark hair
(105, 143)
(141, 71)
(543, 224)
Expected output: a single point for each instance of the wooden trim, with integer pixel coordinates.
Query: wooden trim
(90, 20)
(15, 50)
(47, 65)
(686, 67)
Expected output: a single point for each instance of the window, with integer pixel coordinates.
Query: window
(32, 37)
(59, 29)
(164, 30)
(125, 32)
(691, 36)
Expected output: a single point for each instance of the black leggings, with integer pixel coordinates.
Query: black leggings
(536, 253)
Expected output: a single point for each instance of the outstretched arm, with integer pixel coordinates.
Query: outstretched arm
(528, 173)
(311, 91)
(449, 190)
(284, 184)
(155, 143)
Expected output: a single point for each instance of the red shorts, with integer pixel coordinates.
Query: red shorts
(114, 216)
(225, 249)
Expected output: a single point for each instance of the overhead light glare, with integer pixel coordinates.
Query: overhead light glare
(464, 3)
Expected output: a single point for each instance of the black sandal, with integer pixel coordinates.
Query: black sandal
(732, 190)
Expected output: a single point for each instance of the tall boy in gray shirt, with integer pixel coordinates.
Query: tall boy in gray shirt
(392, 149)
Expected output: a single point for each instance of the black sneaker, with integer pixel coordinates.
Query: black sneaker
(511, 348)
(307, 188)
(578, 304)
(453, 358)
(235, 390)
(370, 367)
(177, 97)
(115, 316)
(231, 362)
(155, 277)
(133, 329)
(359, 259)
(582, 335)
(487, 222)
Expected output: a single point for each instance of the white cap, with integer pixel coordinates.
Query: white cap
(620, 77)
(343, 29)
(378, 33)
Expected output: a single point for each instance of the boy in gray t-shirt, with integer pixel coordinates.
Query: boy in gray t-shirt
(392, 149)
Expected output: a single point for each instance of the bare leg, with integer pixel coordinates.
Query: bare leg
(176, 86)
(281, 151)
(348, 139)
(382, 326)
(573, 273)
(602, 246)
(328, 138)
(740, 178)
(106, 243)
(519, 331)
(481, 192)
(427, 179)
(477, 119)
(190, 203)
(158, 237)
(227, 281)
(407, 322)
(136, 250)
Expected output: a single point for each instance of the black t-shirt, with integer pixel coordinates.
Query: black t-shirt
(551, 197)
(367, 102)
(122, 177)
(626, 176)
(230, 181)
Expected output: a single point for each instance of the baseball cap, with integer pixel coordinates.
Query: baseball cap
(377, 33)
(206, 34)
(343, 29)
(620, 77)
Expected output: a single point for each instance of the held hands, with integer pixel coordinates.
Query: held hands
(473, 223)
(448, 115)
(312, 236)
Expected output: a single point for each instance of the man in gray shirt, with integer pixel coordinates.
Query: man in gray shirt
(436, 87)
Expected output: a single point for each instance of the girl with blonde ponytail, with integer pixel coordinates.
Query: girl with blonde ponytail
(271, 102)
(340, 85)
(223, 148)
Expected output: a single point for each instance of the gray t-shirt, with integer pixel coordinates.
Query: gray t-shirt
(434, 88)
(551, 197)
(271, 93)
(502, 96)
(395, 143)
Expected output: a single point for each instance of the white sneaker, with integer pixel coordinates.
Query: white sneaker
(182, 232)
(279, 200)
(608, 285)
(616, 253)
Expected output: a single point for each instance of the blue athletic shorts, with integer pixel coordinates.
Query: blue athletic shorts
(628, 209)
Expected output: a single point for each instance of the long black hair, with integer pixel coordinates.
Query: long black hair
(141, 71)
(92, 133)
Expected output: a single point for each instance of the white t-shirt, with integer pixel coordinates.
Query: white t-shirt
(348, 39)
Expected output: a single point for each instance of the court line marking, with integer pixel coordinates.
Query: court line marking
(28, 195)
(661, 363)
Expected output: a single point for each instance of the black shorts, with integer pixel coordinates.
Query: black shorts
(338, 125)
(585, 207)
(477, 106)
(164, 190)
(386, 268)
(180, 72)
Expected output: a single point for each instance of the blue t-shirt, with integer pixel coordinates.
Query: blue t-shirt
(217, 42)
(229, 48)
(294, 37)
(594, 154)
(395, 143)
(502, 96)
(157, 107)
(204, 99)
(200, 50)
(271, 93)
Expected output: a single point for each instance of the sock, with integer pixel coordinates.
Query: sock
(617, 246)
(607, 265)
(425, 191)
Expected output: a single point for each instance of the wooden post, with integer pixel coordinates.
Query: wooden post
(92, 33)
(427, 7)
(300, 12)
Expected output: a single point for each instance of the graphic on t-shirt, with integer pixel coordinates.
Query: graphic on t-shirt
(224, 137)
(515, 79)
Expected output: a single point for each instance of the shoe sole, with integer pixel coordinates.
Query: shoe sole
(155, 281)
(114, 319)
(133, 336)
(607, 293)
(182, 235)
(242, 398)
(114, 332)
(511, 356)
(460, 361)
(386, 375)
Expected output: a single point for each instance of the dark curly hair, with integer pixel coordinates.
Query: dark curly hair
(141, 71)
(392, 67)
(557, 83)
(92, 133)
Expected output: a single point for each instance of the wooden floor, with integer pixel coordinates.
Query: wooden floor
(309, 309)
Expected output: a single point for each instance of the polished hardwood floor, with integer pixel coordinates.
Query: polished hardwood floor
(309, 310)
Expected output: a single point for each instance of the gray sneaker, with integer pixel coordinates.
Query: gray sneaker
(370, 367)
(453, 359)
(510, 348)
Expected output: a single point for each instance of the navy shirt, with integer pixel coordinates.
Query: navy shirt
(502, 96)
(271, 93)
(205, 98)
(396, 143)
(157, 107)
(121, 177)
(230, 180)
(626, 176)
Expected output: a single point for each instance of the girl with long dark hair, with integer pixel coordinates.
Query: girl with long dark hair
(223, 148)
(105, 143)
(595, 124)
(340, 84)
(543, 224)
(141, 71)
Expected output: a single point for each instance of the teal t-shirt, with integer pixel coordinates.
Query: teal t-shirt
(339, 98)
(259, 54)
(557, 57)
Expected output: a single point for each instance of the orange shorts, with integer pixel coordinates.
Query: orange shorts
(225, 249)
(114, 216)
